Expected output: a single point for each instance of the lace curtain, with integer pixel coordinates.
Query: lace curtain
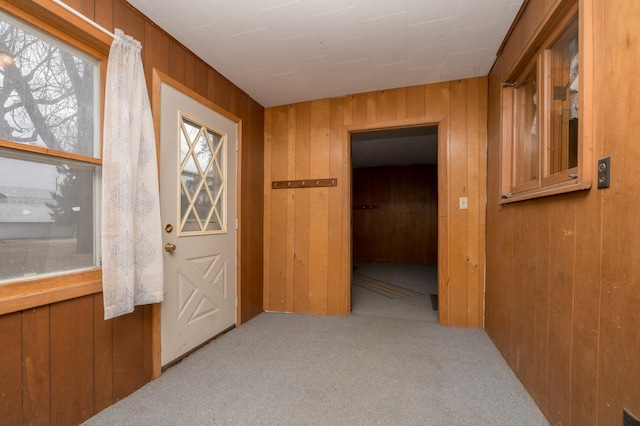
(131, 228)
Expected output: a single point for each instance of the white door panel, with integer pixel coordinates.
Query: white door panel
(198, 208)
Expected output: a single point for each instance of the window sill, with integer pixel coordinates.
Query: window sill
(545, 191)
(30, 294)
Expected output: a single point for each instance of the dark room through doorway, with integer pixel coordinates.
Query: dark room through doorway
(395, 222)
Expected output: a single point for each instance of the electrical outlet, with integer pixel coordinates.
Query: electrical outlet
(604, 172)
(464, 203)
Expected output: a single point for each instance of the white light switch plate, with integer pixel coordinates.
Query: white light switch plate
(464, 203)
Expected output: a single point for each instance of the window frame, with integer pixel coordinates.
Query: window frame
(63, 25)
(537, 55)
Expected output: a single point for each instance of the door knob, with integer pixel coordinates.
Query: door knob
(169, 247)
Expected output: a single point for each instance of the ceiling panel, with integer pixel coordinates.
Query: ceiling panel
(311, 49)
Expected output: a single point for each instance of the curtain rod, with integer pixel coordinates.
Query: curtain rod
(84, 18)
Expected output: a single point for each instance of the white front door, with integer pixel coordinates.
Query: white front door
(198, 209)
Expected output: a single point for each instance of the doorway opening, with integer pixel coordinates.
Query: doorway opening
(394, 188)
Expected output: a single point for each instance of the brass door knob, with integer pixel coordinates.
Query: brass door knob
(169, 247)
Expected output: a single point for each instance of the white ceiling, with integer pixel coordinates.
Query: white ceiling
(287, 51)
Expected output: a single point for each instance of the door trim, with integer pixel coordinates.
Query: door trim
(158, 78)
(443, 200)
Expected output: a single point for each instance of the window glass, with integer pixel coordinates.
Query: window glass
(563, 123)
(202, 185)
(46, 217)
(48, 91)
(526, 130)
(49, 98)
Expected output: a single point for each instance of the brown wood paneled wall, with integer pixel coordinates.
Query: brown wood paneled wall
(307, 251)
(403, 226)
(563, 286)
(62, 363)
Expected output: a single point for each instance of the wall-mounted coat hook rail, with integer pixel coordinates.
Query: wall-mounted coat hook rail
(306, 183)
(367, 206)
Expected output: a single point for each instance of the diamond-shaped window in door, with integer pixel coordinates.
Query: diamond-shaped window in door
(202, 179)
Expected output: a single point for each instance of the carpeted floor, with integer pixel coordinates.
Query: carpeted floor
(375, 367)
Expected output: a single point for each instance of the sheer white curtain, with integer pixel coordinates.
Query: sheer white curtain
(131, 229)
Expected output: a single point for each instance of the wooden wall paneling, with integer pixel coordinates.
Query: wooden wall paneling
(87, 8)
(178, 62)
(526, 301)
(103, 13)
(458, 134)
(348, 117)
(376, 110)
(129, 21)
(266, 219)
(543, 284)
(151, 341)
(36, 370)
(223, 91)
(372, 115)
(493, 270)
(266, 199)
(154, 51)
(586, 309)
(290, 259)
(561, 270)
(253, 212)
(438, 101)
(386, 105)
(128, 353)
(359, 108)
(475, 133)
(415, 101)
(278, 211)
(301, 222)
(319, 207)
(404, 228)
(190, 71)
(618, 363)
(103, 356)
(11, 368)
(401, 103)
(211, 84)
(481, 218)
(515, 320)
(444, 196)
(336, 255)
(396, 215)
(72, 363)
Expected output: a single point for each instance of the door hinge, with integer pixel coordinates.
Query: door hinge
(236, 223)
(236, 302)
(237, 147)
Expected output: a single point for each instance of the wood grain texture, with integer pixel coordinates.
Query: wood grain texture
(405, 227)
(462, 132)
(11, 368)
(36, 370)
(581, 247)
(72, 361)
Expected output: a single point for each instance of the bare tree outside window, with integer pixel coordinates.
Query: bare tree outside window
(48, 98)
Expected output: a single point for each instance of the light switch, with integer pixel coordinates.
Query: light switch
(464, 203)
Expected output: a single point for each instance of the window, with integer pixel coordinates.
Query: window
(542, 144)
(49, 154)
